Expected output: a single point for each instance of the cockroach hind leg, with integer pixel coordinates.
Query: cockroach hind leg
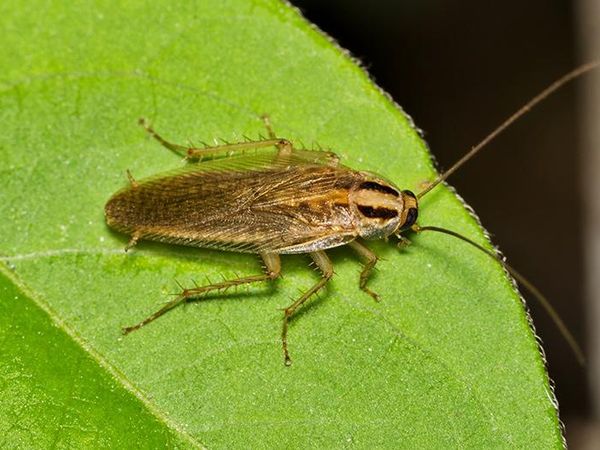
(195, 153)
(181, 298)
(180, 150)
(234, 148)
(272, 263)
(324, 263)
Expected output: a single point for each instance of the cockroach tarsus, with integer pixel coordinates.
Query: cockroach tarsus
(283, 200)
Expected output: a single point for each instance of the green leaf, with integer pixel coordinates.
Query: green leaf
(447, 359)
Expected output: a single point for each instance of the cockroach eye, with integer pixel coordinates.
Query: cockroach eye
(411, 218)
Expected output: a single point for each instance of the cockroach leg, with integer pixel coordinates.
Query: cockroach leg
(218, 150)
(284, 146)
(133, 240)
(210, 152)
(178, 149)
(324, 263)
(371, 259)
(403, 242)
(273, 270)
(132, 181)
(267, 121)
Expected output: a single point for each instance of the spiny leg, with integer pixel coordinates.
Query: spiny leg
(209, 152)
(284, 147)
(324, 263)
(267, 121)
(371, 259)
(273, 270)
(132, 181)
(312, 156)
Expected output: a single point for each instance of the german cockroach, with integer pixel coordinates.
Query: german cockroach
(282, 200)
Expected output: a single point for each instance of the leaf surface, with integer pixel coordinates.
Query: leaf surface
(447, 359)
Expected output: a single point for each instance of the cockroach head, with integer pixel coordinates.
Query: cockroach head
(380, 208)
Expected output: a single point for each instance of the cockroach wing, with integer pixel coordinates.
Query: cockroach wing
(273, 203)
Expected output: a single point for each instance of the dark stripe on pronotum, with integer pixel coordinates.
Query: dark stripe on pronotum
(377, 213)
(373, 186)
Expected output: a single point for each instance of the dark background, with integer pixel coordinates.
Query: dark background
(459, 68)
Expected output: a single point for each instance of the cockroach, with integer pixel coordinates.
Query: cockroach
(284, 200)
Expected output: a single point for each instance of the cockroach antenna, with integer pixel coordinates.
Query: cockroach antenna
(533, 290)
(575, 73)
(567, 335)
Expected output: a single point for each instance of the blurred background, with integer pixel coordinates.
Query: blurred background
(461, 67)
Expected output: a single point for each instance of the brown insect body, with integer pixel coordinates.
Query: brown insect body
(285, 200)
(282, 200)
(283, 205)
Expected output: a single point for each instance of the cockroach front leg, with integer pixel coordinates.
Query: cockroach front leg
(273, 270)
(371, 259)
(324, 264)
